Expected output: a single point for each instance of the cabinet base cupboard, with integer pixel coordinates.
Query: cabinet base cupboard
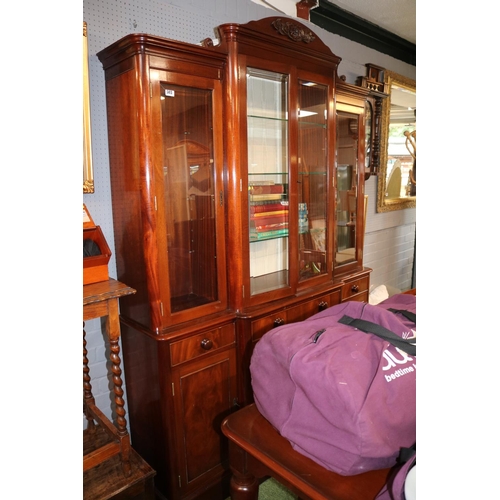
(237, 176)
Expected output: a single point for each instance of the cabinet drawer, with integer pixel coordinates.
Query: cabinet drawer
(294, 314)
(263, 325)
(201, 344)
(307, 309)
(352, 288)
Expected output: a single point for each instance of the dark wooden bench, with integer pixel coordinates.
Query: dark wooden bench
(257, 450)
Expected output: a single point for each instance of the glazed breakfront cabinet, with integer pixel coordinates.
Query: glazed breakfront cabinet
(237, 175)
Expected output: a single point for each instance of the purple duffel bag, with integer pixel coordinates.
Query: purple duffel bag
(342, 397)
(401, 484)
(404, 305)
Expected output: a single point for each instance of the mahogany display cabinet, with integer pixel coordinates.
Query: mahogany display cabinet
(237, 174)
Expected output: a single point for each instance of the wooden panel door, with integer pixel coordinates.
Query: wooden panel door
(204, 394)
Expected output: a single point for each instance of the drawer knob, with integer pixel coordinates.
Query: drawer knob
(206, 344)
(279, 322)
(322, 305)
(355, 288)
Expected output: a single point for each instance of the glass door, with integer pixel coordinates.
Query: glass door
(347, 187)
(188, 176)
(268, 180)
(312, 179)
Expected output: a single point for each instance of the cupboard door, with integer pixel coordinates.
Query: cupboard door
(204, 394)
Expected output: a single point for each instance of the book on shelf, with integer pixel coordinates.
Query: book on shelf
(261, 183)
(268, 207)
(275, 221)
(255, 235)
(266, 188)
(276, 213)
(269, 227)
(266, 196)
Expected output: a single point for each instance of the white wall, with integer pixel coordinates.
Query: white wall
(390, 236)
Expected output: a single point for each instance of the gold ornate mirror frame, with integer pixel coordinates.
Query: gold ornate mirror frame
(385, 204)
(88, 173)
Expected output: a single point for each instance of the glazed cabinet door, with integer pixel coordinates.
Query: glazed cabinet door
(190, 195)
(268, 180)
(349, 173)
(314, 180)
(286, 180)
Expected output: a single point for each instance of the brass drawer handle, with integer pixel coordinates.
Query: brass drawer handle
(279, 322)
(322, 305)
(355, 288)
(206, 344)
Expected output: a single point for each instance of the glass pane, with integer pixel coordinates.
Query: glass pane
(267, 123)
(312, 187)
(347, 158)
(188, 170)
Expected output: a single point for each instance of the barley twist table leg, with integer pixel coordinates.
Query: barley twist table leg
(113, 329)
(117, 387)
(87, 387)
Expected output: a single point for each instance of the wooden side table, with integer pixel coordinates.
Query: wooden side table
(101, 300)
(257, 450)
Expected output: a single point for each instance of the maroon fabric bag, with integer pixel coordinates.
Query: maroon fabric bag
(342, 397)
(403, 305)
(396, 486)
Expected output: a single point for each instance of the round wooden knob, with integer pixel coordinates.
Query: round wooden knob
(322, 305)
(279, 321)
(206, 344)
(355, 288)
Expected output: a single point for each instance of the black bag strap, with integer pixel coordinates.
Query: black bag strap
(406, 454)
(407, 314)
(408, 346)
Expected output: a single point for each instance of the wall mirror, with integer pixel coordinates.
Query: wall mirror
(397, 187)
(88, 174)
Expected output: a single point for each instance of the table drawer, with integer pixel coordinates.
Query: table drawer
(202, 343)
(355, 287)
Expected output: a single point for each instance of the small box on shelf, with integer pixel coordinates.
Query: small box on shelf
(96, 253)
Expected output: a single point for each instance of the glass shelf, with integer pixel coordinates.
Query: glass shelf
(263, 117)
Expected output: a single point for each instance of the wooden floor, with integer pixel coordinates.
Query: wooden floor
(107, 480)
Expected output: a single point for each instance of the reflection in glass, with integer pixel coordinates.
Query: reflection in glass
(267, 128)
(312, 179)
(188, 170)
(397, 187)
(401, 166)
